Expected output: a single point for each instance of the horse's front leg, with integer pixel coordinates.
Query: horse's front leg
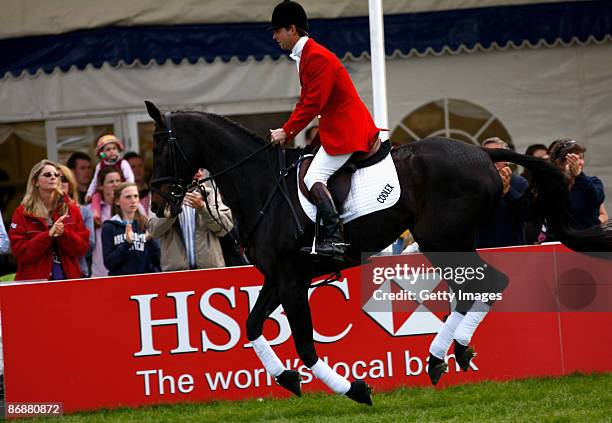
(267, 301)
(294, 298)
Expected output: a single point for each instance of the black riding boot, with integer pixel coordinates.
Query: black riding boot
(332, 243)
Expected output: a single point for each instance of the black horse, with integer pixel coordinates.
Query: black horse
(447, 188)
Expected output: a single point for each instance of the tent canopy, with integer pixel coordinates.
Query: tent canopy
(22, 18)
(422, 32)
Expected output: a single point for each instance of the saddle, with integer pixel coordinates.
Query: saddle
(339, 184)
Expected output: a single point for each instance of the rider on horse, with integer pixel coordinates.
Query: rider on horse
(345, 124)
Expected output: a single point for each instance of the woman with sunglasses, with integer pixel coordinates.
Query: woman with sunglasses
(47, 233)
(70, 188)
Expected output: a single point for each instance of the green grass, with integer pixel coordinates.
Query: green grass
(578, 397)
(7, 278)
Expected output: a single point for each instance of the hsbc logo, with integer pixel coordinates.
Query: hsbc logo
(207, 309)
(399, 307)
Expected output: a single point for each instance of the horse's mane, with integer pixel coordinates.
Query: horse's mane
(226, 121)
(292, 153)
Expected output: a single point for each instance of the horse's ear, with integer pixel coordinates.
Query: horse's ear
(154, 113)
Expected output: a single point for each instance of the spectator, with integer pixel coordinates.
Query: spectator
(311, 133)
(108, 179)
(586, 192)
(191, 240)
(140, 178)
(47, 233)
(4, 241)
(7, 192)
(80, 164)
(603, 214)
(505, 225)
(109, 149)
(535, 150)
(533, 228)
(128, 248)
(69, 187)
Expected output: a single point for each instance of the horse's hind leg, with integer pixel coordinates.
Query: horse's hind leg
(294, 297)
(267, 301)
(467, 315)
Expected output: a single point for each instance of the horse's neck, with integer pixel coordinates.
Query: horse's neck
(244, 188)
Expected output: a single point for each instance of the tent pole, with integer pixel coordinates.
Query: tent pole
(377, 54)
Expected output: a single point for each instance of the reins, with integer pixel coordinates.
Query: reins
(178, 187)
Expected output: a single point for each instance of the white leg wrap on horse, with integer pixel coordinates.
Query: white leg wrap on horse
(336, 383)
(469, 323)
(443, 340)
(268, 357)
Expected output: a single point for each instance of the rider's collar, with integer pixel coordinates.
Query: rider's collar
(296, 51)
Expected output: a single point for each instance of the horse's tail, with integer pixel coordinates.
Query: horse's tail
(551, 203)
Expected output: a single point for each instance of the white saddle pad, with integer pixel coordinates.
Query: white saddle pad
(373, 188)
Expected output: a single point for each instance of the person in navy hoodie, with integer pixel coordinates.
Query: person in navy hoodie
(126, 244)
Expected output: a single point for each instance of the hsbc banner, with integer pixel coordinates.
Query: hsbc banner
(180, 336)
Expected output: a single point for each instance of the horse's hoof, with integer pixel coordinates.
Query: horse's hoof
(436, 372)
(360, 392)
(291, 381)
(465, 358)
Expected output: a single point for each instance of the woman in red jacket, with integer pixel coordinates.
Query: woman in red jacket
(345, 124)
(47, 233)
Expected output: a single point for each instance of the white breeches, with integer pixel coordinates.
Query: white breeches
(323, 166)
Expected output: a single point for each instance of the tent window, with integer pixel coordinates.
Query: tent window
(458, 119)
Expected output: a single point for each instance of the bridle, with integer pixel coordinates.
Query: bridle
(178, 187)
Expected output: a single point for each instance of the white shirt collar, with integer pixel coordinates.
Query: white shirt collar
(296, 51)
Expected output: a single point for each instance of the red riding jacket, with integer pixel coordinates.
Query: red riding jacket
(345, 124)
(33, 248)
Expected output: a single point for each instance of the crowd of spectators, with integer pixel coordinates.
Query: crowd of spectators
(512, 222)
(77, 223)
(57, 232)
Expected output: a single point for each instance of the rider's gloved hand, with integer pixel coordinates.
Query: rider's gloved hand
(278, 136)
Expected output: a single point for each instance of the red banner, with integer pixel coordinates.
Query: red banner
(180, 336)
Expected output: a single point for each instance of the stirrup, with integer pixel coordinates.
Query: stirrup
(338, 250)
(312, 250)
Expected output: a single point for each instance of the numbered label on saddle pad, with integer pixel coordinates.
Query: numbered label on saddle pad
(372, 188)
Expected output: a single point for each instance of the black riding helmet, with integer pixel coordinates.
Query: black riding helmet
(289, 13)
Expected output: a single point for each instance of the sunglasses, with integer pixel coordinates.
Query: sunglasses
(50, 174)
(63, 179)
(564, 149)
